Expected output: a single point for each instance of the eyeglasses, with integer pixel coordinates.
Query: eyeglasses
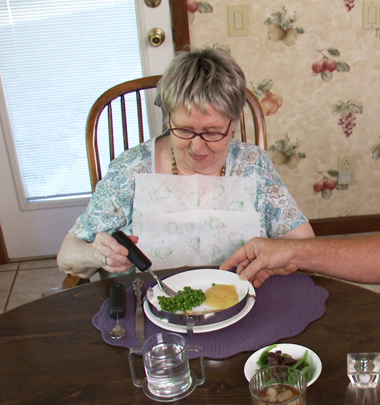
(206, 136)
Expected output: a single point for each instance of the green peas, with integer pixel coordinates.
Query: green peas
(184, 301)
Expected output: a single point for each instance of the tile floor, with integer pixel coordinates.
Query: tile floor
(22, 282)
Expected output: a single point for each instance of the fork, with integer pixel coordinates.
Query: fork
(164, 287)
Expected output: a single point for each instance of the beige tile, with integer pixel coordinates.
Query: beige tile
(30, 284)
(6, 280)
(95, 277)
(38, 264)
(9, 266)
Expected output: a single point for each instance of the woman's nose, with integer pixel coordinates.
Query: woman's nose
(198, 144)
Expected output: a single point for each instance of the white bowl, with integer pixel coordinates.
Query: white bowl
(296, 351)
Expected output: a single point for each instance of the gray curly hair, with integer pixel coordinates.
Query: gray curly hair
(203, 77)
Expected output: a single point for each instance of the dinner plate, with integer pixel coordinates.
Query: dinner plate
(202, 279)
(296, 351)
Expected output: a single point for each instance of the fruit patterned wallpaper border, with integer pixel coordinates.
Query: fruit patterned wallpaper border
(315, 72)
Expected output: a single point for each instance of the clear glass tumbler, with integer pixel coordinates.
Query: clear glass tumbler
(363, 370)
(278, 385)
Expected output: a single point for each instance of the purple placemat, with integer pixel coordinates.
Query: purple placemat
(284, 307)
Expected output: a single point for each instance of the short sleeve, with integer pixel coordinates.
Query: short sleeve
(111, 205)
(278, 210)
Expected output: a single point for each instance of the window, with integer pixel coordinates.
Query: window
(56, 58)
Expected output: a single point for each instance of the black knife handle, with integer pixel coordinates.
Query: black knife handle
(117, 301)
(136, 256)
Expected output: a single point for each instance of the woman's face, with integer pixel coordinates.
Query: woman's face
(196, 155)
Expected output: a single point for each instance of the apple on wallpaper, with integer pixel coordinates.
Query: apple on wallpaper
(329, 64)
(194, 6)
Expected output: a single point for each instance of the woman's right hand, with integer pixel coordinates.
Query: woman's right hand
(110, 255)
(76, 256)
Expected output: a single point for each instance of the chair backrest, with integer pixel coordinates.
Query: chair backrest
(252, 116)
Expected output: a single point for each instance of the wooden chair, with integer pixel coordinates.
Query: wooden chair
(252, 116)
(107, 102)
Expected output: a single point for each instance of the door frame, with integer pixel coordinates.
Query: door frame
(3, 251)
(180, 24)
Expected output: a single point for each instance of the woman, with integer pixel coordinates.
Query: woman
(151, 191)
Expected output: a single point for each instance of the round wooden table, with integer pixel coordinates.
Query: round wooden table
(50, 353)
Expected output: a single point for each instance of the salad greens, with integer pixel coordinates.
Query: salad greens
(277, 358)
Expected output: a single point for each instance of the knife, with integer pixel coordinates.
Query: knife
(139, 319)
(137, 257)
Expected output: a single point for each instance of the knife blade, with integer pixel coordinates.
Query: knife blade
(139, 316)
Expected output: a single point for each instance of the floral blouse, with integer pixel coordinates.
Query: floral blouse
(112, 203)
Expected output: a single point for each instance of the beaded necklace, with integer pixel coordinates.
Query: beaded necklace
(174, 167)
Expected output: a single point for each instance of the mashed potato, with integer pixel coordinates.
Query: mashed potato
(222, 296)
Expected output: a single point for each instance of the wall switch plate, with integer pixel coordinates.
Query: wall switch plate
(371, 14)
(238, 22)
(346, 169)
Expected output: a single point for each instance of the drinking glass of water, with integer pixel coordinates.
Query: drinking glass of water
(166, 365)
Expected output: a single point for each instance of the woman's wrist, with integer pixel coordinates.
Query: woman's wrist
(77, 257)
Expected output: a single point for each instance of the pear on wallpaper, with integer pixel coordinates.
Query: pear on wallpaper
(276, 32)
(290, 37)
(281, 27)
(284, 152)
(279, 157)
(270, 102)
(293, 160)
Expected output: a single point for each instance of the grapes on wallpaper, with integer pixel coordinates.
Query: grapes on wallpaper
(349, 4)
(281, 27)
(270, 102)
(285, 152)
(347, 112)
(328, 64)
(194, 6)
(327, 183)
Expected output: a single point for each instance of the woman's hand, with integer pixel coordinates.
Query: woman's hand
(76, 256)
(110, 255)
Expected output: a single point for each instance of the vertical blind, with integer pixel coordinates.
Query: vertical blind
(56, 58)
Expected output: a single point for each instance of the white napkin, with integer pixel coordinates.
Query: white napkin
(193, 220)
